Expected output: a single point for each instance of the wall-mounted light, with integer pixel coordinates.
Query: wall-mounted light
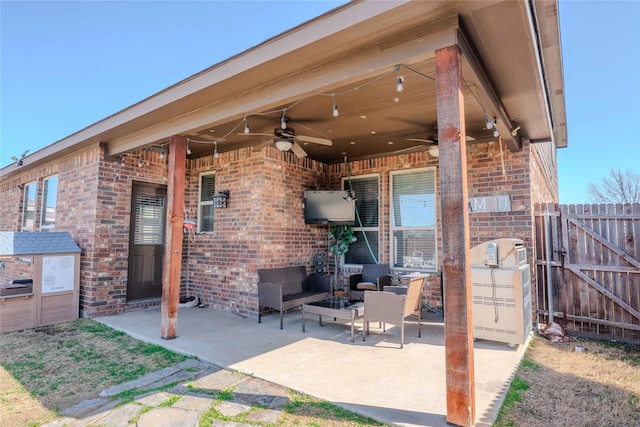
(220, 199)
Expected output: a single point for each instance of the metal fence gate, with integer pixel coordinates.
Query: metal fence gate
(588, 269)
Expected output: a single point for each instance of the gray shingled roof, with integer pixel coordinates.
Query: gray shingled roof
(30, 243)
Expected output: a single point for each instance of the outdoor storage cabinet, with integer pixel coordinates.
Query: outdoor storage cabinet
(39, 279)
(501, 291)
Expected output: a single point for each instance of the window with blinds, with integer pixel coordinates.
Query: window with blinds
(413, 219)
(29, 207)
(366, 191)
(149, 221)
(205, 202)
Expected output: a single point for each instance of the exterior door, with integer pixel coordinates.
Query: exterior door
(146, 241)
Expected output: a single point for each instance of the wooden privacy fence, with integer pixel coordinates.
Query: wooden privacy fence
(588, 269)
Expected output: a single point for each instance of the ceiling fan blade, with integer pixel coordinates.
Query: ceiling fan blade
(411, 149)
(427, 141)
(298, 150)
(314, 140)
(255, 134)
(263, 143)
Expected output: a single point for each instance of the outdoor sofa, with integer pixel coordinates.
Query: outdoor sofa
(285, 288)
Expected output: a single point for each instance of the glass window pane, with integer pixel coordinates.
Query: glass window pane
(206, 217)
(205, 204)
(207, 187)
(366, 193)
(29, 207)
(414, 201)
(359, 252)
(49, 201)
(415, 249)
(149, 221)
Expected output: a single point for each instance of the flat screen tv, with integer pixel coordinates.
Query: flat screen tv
(329, 207)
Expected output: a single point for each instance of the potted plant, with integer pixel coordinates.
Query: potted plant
(340, 237)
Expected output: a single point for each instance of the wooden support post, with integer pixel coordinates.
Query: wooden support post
(455, 238)
(172, 261)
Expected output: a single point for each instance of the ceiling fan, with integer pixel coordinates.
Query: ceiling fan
(285, 139)
(19, 160)
(432, 141)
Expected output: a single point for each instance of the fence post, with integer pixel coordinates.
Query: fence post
(548, 256)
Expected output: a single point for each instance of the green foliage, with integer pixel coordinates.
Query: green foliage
(341, 236)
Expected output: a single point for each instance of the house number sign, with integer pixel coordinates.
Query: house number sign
(500, 203)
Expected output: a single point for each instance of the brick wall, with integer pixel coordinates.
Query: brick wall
(491, 171)
(93, 204)
(262, 226)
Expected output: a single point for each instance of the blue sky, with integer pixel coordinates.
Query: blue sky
(66, 65)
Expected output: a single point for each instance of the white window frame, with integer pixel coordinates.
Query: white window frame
(430, 261)
(43, 202)
(205, 203)
(356, 227)
(25, 206)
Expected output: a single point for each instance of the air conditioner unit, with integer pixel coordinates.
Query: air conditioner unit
(501, 292)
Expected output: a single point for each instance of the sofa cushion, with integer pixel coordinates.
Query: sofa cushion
(371, 272)
(290, 278)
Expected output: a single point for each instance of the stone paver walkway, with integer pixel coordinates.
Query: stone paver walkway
(178, 396)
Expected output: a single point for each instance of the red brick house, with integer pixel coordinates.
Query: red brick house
(394, 86)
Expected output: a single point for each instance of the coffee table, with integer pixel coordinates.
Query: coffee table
(336, 307)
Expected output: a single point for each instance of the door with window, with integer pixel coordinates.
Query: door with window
(146, 241)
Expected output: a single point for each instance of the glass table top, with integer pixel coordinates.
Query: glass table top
(338, 303)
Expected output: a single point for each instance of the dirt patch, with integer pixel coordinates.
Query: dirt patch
(560, 386)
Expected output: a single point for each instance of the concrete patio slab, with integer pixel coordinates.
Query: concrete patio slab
(376, 378)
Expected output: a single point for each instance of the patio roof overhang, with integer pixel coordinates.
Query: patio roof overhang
(512, 70)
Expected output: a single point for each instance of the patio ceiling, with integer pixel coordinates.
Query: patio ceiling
(513, 71)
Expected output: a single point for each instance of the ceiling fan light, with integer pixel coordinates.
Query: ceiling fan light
(283, 144)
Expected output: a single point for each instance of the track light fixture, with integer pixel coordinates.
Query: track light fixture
(336, 113)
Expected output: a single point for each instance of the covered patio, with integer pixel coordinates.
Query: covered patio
(374, 378)
(464, 100)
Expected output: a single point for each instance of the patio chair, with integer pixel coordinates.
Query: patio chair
(389, 307)
(372, 278)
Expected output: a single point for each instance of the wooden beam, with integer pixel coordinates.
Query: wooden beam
(172, 261)
(458, 322)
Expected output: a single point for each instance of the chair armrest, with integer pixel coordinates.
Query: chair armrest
(270, 295)
(354, 279)
(383, 281)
